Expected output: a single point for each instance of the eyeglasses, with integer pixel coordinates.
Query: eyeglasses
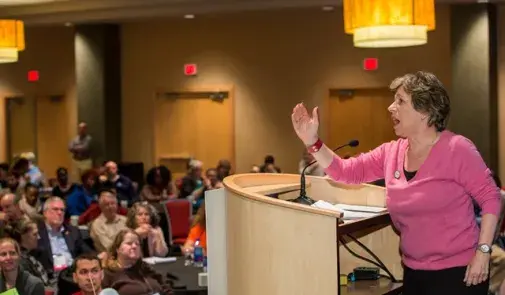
(56, 209)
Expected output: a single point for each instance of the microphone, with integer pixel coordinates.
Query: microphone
(108, 291)
(303, 198)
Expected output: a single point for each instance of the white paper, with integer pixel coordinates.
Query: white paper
(157, 260)
(360, 208)
(357, 215)
(324, 205)
(348, 214)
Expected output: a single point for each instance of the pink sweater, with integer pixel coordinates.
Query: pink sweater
(433, 211)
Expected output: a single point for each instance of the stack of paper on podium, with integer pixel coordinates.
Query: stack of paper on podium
(258, 244)
(351, 211)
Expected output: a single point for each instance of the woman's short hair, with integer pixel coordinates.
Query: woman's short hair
(429, 96)
(154, 217)
(21, 228)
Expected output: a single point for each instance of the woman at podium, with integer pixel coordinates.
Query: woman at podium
(431, 177)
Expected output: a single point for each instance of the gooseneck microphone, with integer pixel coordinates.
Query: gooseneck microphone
(303, 198)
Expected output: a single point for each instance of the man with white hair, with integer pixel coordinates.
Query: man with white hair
(12, 213)
(59, 243)
(104, 228)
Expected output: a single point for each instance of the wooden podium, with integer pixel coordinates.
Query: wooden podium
(260, 244)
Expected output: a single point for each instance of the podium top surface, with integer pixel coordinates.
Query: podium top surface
(260, 187)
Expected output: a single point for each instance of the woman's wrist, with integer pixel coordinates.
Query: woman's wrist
(311, 142)
(315, 147)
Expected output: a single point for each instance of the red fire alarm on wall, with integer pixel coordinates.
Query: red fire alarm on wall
(370, 64)
(190, 69)
(33, 76)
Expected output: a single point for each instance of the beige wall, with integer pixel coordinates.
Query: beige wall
(274, 60)
(50, 50)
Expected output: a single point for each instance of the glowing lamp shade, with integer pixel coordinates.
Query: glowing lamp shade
(389, 23)
(12, 40)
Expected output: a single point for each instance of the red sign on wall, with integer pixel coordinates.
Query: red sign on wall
(370, 64)
(190, 69)
(33, 76)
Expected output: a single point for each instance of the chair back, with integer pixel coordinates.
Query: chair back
(164, 222)
(179, 213)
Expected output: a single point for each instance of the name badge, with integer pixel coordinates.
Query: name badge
(59, 262)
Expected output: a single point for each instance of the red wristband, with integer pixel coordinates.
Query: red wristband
(315, 147)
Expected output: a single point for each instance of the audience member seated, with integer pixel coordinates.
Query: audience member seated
(20, 168)
(87, 274)
(223, 169)
(30, 203)
(59, 243)
(197, 232)
(63, 187)
(33, 172)
(144, 219)
(80, 199)
(211, 180)
(123, 185)
(10, 207)
(255, 169)
(104, 228)
(13, 276)
(26, 234)
(127, 273)
(269, 165)
(15, 183)
(94, 211)
(192, 184)
(159, 185)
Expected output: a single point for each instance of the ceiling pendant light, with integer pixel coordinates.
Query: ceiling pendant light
(389, 23)
(12, 40)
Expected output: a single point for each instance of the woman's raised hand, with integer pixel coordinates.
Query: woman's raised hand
(305, 125)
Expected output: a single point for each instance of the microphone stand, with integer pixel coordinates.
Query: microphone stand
(303, 198)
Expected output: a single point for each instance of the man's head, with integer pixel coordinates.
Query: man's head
(62, 175)
(54, 211)
(88, 273)
(31, 193)
(82, 129)
(212, 176)
(111, 168)
(10, 205)
(107, 201)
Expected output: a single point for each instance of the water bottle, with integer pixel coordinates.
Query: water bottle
(188, 257)
(198, 254)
